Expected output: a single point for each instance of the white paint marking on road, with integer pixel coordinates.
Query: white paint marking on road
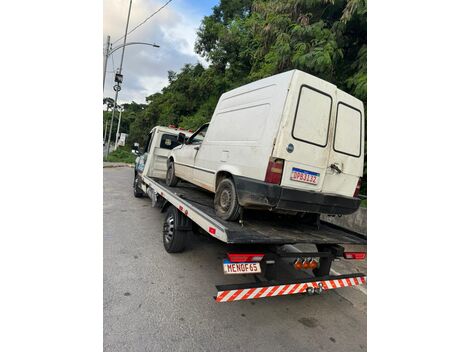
(358, 287)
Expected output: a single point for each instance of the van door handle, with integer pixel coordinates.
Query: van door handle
(336, 168)
(196, 148)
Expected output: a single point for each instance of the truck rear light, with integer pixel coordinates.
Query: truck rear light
(305, 264)
(274, 171)
(245, 257)
(358, 187)
(354, 255)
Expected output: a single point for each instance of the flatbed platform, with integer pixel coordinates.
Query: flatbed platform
(257, 227)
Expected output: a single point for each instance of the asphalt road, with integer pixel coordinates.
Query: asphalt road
(154, 301)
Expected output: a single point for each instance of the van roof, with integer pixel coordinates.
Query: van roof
(282, 79)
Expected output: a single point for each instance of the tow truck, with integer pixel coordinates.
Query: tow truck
(265, 246)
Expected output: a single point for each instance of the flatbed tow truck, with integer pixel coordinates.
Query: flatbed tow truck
(263, 245)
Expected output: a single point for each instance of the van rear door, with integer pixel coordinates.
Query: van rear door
(304, 137)
(346, 159)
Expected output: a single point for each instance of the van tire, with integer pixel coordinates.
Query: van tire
(226, 200)
(137, 191)
(175, 230)
(171, 179)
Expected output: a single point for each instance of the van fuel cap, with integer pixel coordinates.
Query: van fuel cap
(290, 148)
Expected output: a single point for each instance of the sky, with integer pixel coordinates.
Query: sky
(145, 68)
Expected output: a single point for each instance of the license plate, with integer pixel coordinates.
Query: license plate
(241, 268)
(304, 176)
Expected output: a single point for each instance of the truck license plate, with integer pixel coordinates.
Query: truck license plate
(241, 268)
(304, 176)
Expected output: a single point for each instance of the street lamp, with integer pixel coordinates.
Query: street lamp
(109, 51)
(117, 87)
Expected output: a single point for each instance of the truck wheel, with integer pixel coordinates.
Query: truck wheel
(171, 179)
(137, 191)
(175, 230)
(226, 201)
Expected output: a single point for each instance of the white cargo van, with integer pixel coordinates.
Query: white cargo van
(290, 142)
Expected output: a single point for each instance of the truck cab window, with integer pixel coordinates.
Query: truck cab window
(169, 141)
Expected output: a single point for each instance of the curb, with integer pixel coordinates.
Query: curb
(117, 165)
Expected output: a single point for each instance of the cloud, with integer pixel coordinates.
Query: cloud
(145, 68)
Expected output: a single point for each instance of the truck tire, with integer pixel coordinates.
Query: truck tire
(171, 179)
(226, 201)
(137, 191)
(176, 229)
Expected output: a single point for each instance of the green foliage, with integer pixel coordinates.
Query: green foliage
(122, 154)
(245, 40)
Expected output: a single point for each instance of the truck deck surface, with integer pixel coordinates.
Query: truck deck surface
(260, 227)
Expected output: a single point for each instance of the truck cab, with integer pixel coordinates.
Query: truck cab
(152, 161)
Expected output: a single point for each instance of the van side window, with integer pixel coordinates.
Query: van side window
(348, 131)
(198, 137)
(312, 117)
(169, 141)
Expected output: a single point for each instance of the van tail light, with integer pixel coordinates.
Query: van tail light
(354, 255)
(358, 188)
(274, 171)
(245, 257)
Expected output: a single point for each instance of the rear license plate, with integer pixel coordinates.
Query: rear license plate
(241, 268)
(304, 176)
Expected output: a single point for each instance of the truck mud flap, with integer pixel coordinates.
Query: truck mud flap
(239, 292)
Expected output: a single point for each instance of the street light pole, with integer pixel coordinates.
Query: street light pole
(119, 124)
(106, 55)
(117, 87)
(110, 50)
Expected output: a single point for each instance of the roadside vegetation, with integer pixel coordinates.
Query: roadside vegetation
(245, 40)
(123, 155)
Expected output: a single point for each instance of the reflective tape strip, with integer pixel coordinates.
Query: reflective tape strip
(289, 289)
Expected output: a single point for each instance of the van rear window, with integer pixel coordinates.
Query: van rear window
(312, 118)
(348, 131)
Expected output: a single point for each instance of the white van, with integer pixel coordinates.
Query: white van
(290, 142)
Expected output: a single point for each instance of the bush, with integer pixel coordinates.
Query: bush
(122, 154)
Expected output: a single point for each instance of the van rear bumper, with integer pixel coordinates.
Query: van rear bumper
(258, 194)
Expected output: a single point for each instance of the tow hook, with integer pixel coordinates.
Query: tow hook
(315, 290)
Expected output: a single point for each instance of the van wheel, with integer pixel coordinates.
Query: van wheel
(171, 179)
(175, 230)
(137, 191)
(226, 201)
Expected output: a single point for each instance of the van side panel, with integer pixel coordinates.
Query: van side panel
(242, 130)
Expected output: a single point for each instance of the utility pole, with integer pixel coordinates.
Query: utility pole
(117, 87)
(119, 124)
(105, 64)
(105, 131)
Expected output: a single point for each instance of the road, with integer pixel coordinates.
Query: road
(154, 301)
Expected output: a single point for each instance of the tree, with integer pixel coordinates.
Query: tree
(245, 40)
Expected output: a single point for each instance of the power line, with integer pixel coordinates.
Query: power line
(141, 23)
